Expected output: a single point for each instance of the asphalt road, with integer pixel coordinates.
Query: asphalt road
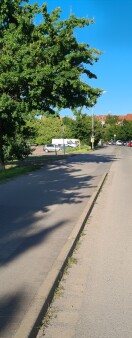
(95, 297)
(37, 213)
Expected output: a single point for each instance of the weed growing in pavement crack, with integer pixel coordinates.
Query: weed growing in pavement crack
(52, 309)
(71, 260)
(59, 291)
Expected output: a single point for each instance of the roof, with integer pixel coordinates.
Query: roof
(127, 117)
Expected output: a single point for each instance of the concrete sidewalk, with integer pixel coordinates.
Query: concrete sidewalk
(94, 299)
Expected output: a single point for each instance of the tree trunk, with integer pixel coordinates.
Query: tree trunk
(2, 166)
(2, 157)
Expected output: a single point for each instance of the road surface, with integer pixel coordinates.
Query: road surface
(95, 297)
(37, 213)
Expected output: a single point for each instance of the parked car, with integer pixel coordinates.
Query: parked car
(129, 144)
(51, 147)
(119, 143)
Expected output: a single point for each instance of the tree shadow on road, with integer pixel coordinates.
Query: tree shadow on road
(10, 305)
(30, 199)
(40, 210)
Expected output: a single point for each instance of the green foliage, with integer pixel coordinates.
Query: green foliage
(16, 148)
(41, 68)
(112, 120)
(48, 128)
(80, 128)
(83, 128)
(128, 130)
(124, 131)
(114, 126)
(68, 125)
(45, 62)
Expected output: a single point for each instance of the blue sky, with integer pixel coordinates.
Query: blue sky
(111, 34)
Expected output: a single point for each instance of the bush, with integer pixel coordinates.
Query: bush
(16, 149)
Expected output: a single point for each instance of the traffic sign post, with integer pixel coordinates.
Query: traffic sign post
(92, 137)
(92, 141)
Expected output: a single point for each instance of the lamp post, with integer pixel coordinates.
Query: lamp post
(63, 129)
(114, 138)
(92, 137)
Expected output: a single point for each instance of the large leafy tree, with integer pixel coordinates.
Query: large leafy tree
(82, 127)
(68, 127)
(48, 128)
(41, 66)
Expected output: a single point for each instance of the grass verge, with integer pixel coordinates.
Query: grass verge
(82, 149)
(17, 168)
(14, 171)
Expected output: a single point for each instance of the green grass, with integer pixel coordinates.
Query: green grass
(43, 158)
(82, 149)
(14, 171)
(17, 168)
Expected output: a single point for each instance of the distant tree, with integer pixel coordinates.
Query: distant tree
(112, 119)
(83, 127)
(128, 128)
(68, 125)
(98, 132)
(109, 132)
(125, 131)
(48, 128)
(116, 129)
(110, 127)
(41, 66)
